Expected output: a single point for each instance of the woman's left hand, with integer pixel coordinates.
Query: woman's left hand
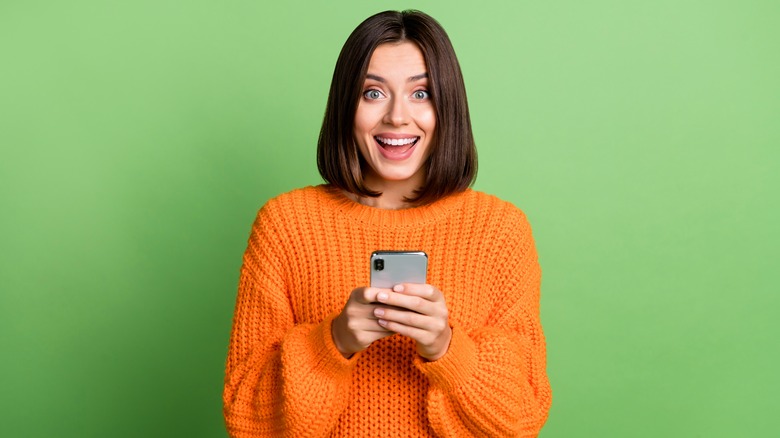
(419, 312)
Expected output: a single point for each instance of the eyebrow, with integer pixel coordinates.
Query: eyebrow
(409, 79)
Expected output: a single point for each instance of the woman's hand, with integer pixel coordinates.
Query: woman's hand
(419, 312)
(356, 327)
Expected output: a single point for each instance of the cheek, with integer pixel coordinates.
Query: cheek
(366, 117)
(360, 122)
(427, 120)
(361, 130)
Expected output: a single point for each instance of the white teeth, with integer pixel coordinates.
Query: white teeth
(397, 141)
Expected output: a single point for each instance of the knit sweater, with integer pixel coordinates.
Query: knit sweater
(308, 249)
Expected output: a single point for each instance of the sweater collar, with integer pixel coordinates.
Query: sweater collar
(406, 217)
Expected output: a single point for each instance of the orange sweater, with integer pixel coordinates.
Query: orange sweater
(309, 248)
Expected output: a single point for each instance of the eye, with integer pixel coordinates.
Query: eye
(372, 94)
(421, 94)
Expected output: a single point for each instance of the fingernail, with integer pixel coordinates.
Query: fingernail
(398, 288)
(382, 322)
(382, 296)
(379, 312)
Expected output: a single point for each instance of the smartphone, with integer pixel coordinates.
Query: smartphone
(389, 268)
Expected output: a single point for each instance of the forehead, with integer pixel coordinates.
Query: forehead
(404, 58)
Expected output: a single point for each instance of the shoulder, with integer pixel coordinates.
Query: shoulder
(297, 197)
(494, 209)
(286, 214)
(294, 202)
(506, 223)
(496, 219)
(298, 211)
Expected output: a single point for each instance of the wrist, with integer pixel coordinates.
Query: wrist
(335, 330)
(444, 346)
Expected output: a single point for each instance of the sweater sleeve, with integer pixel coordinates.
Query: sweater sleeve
(281, 378)
(492, 381)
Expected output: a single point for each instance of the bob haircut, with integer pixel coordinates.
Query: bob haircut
(452, 165)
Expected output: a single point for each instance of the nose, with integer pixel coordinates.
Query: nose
(398, 112)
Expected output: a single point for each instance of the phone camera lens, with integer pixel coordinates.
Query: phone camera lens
(379, 264)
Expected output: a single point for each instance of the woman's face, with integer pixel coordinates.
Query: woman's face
(395, 119)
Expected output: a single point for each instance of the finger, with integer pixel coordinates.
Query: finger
(385, 307)
(378, 328)
(409, 302)
(406, 317)
(417, 334)
(426, 291)
(366, 295)
(366, 324)
(364, 319)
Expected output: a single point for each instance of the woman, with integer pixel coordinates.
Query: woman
(314, 352)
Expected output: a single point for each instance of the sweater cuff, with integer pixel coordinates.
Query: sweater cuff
(458, 365)
(329, 356)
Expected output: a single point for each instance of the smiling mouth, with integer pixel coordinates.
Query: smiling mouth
(396, 145)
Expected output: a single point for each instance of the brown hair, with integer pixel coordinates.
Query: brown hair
(452, 165)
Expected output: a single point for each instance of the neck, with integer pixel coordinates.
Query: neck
(394, 193)
(384, 201)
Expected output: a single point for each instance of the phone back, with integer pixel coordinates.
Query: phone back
(389, 268)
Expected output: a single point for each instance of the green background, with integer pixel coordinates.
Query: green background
(140, 137)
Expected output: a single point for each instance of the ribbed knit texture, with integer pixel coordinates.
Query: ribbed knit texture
(309, 248)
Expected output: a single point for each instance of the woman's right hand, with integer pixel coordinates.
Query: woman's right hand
(356, 327)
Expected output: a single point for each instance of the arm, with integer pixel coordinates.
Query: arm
(492, 381)
(281, 379)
